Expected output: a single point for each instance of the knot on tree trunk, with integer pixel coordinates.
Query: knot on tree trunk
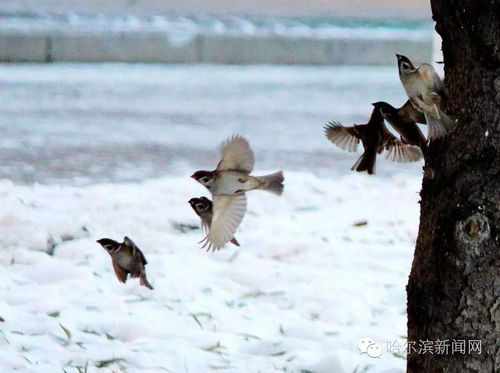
(473, 230)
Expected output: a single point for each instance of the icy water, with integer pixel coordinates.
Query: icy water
(90, 123)
(190, 24)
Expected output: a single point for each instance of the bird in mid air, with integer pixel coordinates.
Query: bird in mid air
(375, 138)
(127, 259)
(425, 89)
(204, 209)
(404, 120)
(228, 184)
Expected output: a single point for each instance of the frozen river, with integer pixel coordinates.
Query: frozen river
(87, 123)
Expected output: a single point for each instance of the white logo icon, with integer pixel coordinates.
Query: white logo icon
(369, 347)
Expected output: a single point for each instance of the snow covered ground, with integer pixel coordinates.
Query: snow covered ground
(309, 280)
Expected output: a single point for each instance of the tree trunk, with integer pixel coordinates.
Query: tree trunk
(454, 286)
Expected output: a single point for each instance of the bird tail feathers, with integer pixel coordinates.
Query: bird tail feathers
(438, 127)
(365, 163)
(273, 183)
(144, 282)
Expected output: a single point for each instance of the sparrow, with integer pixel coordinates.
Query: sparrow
(404, 120)
(127, 259)
(228, 184)
(375, 138)
(425, 90)
(204, 209)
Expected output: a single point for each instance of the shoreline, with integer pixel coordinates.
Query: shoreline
(353, 9)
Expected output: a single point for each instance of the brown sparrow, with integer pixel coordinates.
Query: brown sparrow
(228, 184)
(404, 120)
(204, 209)
(375, 138)
(425, 90)
(127, 259)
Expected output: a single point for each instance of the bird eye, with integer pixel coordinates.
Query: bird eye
(405, 65)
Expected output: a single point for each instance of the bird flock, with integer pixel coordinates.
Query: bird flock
(229, 182)
(425, 91)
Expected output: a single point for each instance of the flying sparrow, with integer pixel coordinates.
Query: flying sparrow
(228, 184)
(404, 120)
(204, 209)
(127, 259)
(375, 138)
(425, 90)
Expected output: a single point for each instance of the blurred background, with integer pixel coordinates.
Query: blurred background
(114, 90)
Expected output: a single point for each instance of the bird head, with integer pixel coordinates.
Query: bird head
(200, 205)
(404, 64)
(385, 109)
(204, 177)
(109, 245)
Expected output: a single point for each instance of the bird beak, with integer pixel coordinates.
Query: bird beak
(192, 176)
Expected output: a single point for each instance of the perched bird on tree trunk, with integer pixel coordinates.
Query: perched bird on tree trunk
(425, 89)
(127, 259)
(375, 138)
(404, 120)
(204, 209)
(228, 184)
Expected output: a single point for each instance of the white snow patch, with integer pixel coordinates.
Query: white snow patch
(300, 292)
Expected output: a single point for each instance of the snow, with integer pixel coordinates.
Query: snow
(308, 282)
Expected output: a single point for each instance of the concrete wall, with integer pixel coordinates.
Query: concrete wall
(121, 47)
(279, 50)
(23, 46)
(94, 46)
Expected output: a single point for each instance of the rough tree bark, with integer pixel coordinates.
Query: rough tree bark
(454, 286)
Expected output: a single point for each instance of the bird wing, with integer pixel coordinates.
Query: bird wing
(120, 272)
(205, 226)
(408, 111)
(399, 151)
(137, 254)
(429, 108)
(138, 263)
(346, 138)
(228, 215)
(431, 78)
(236, 155)
(138, 258)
